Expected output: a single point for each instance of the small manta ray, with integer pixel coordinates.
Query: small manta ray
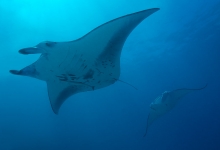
(166, 102)
(88, 63)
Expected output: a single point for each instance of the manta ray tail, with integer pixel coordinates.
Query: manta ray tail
(126, 83)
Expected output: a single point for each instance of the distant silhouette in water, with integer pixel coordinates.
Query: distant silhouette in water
(166, 102)
(86, 64)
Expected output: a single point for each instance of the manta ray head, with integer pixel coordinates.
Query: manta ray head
(46, 44)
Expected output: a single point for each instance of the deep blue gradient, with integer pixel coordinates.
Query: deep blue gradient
(177, 47)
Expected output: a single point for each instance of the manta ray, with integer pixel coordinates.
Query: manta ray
(85, 64)
(166, 102)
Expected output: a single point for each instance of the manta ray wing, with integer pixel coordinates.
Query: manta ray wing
(179, 93)
(85, 64)
(153, 115)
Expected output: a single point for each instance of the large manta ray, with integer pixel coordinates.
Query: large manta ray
(88, 63)
(165, 103)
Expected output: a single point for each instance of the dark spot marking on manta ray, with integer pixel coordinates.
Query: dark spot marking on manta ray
(89, 74)
(98, 70)
(72, 78)
(63, 77)
(83, 83)
(50, 44)
(71, 75)
(59, 76)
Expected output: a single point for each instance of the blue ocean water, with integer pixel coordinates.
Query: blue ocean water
(176, 47)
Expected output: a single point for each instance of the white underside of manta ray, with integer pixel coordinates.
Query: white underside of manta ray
(165, 103)
(88, 63)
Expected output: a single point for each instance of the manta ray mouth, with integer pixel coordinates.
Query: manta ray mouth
(30, 50)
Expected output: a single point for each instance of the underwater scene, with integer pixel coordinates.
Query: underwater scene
(109, 75)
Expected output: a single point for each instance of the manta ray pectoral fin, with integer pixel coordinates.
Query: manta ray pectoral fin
(30, 50)
(59, 92)
(153, 115)
(179, 93)
(108, 39)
